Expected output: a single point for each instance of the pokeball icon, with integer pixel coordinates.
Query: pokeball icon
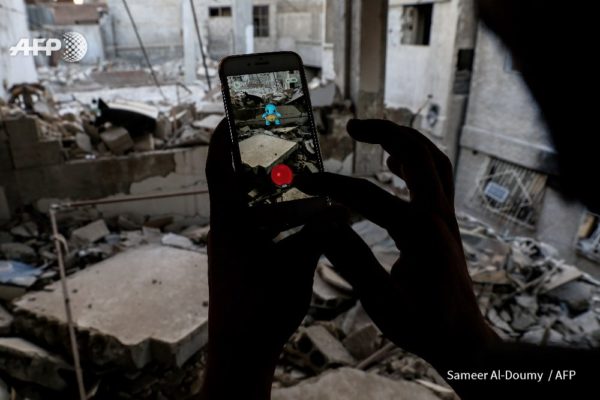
(282, 175)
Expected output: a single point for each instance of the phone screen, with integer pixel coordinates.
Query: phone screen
(275, 133)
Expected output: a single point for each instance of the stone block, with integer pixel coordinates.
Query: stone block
(90, 233)
(321, 350)
(117, 140)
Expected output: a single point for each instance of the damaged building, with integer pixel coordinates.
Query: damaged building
(103, 188)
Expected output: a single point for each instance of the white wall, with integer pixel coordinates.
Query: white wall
(414, 72)
(158, 22)
(500, 102)
(13, 26)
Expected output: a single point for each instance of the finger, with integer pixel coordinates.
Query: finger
(426, 169)
(222, 180)
(360, 195)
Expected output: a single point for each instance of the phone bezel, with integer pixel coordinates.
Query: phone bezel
(261, 63)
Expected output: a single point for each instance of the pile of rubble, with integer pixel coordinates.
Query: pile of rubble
(124, 267)
(115, 267)
(39, 130)
(527, 292)
(523, 288)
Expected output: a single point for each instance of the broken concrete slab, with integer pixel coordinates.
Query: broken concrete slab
(321, 350)
(90, 233)
(140, 306)
(117, 140)
(265, 150)
(353, 384)
(28, 362)
(354, 319)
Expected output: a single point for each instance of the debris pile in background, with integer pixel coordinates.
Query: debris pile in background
(527, 292)
(38, 130)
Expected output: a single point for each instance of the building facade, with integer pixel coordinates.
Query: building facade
(507, 168)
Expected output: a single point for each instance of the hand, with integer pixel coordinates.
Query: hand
(426, 304)
(259, 290)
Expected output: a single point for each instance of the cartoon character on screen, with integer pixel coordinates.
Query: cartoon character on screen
(271, 115)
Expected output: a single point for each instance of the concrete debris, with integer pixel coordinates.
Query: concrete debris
(27, 229)
(181, 242)
(363, 342)
(320, 350)
(129, 310)
(18, 251)
(575, 294)
(90, 233)
(117, 140)
(525, 290)
(264, 150)
(28, 362)
(352, 384)
(198, 234)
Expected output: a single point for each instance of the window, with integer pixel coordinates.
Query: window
(261, 21)
(416, 24)
(219, 11)
(588, 238)
(464, 66)
(511, 192)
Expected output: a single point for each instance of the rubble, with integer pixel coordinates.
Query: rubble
(351, 384)
(117, 140)
(27, 362)
(526, 292)
(363, 342)
(90, 233)
(320, 350)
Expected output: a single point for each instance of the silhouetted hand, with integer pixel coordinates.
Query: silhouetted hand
(259, 290)
(426, 304)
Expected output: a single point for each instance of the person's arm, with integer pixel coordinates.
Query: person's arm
(259, 290)
(426, 305)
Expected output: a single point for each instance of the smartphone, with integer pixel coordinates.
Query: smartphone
(268, 108)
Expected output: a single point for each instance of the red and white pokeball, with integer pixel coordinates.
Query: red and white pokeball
(282, 175)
